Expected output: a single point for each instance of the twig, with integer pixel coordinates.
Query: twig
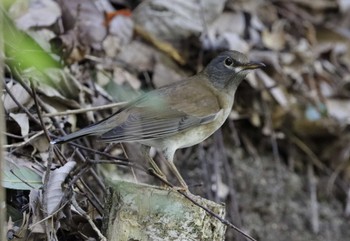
(315, 220)
(273, 139)
(234, 133)
(24, 142)
(224, 221)
(15, 136)
(333, 177)
(44, 200)
(8, 91)
(83, 213)
(314, 159)
(120, 160)
(347, 206)
(127, 157)
(49, 216)
(83, 110)
(218, 150)
(203, 160)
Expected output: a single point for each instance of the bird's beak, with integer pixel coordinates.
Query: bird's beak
(252, 65)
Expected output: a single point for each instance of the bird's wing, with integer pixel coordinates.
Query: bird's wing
(165, 112)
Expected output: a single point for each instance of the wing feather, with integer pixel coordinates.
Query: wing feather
(164, 112)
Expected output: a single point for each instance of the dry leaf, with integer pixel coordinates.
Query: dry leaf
(21, 96)
(123, 28)
(86, 19)
(276, 91)
(166, 72)
(177, 19)
(160, 44)
(39, 13)
(222, 34)
(23, 121)
(138, 55)
(120, 76)
(344, 5)
(339, 109)
(55, 192)
(276, 38)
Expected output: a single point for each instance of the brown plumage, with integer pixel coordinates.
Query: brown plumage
(177, 115)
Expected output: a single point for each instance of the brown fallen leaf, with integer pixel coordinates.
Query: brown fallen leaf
(161, 45)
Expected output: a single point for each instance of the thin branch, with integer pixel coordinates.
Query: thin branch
(91, 222)
(122, 161)
(49, 163)
(20, 144)
(315, 216)
(83, 110)
(224, 221)
(8, 91)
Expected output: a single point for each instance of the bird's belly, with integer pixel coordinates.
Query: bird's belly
(194, 136)
(199, 134)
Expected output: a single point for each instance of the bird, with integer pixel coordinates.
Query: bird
(178, 115)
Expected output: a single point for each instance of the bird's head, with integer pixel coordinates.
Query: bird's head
(229, 68)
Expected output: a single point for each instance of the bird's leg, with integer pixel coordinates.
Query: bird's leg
(169, 156)
(173, 168)
(145, 152)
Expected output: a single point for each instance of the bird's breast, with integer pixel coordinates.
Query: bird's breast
(198, 134)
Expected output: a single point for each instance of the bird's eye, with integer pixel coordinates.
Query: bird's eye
(228, 62)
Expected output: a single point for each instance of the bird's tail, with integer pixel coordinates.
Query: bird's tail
(75, 135)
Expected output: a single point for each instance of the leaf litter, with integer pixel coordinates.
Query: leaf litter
(287, 138)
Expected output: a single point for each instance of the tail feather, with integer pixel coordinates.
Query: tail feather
(75, 135)
(95, 129)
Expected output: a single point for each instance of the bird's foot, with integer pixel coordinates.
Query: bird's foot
(181, 189)
(159, 175)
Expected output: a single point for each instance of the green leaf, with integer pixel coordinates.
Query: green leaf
(20, 177)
